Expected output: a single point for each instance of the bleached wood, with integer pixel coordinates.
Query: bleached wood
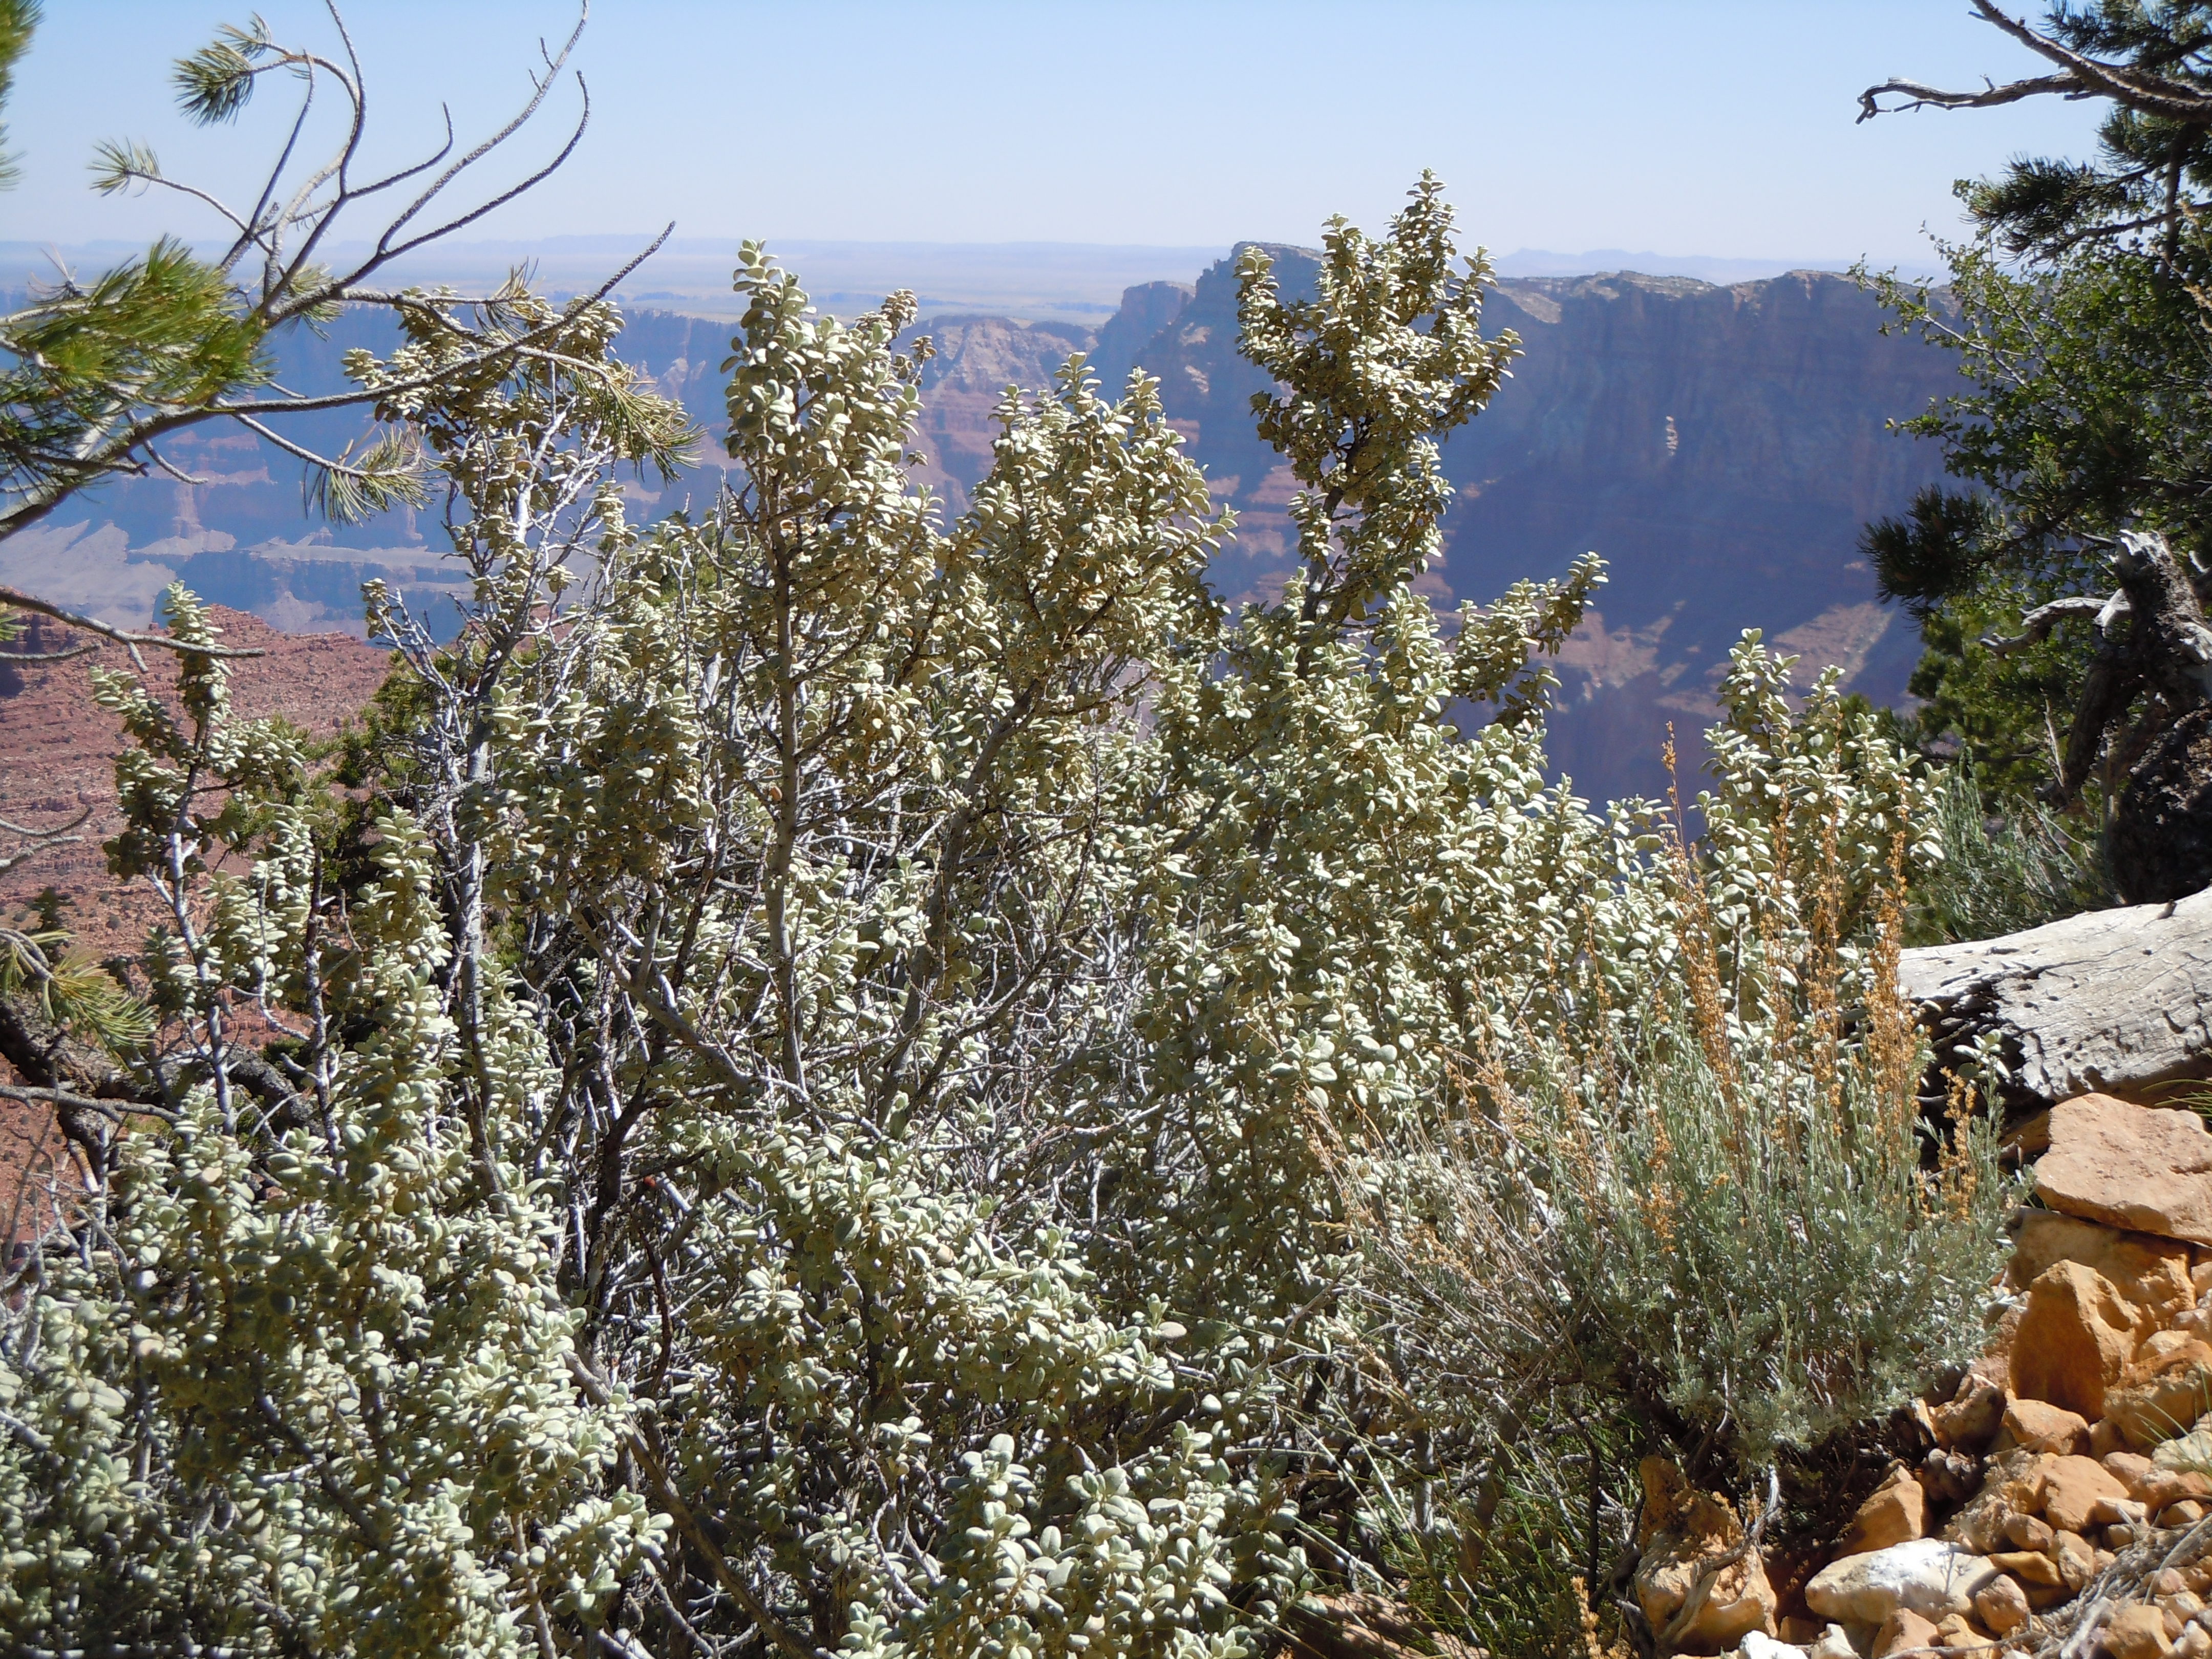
(2115, 1001)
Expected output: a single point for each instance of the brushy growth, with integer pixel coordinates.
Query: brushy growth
(833, 1072)
(1721, 1233)
(2007, 864)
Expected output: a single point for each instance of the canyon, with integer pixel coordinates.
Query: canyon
(1720, 446)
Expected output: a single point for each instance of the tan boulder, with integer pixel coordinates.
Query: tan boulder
(2071, 1488)
(2152, 1484)
(2002, 1605)
(2038, 1425)
(2029, 1532)
(2075, 1340)
(1926, 1576)
(1896, 1511)
(2167, 1386)
(1731, 1604)
(2078, 1560)
(2136, 1632)
(2134, 1472)
(2032, 1567)
(2012, 1484)
(2139, 1168)
(1698, 1602)
(1974, 1414)
(2152, 1272)
(1960, 1632)
(1903, 1631)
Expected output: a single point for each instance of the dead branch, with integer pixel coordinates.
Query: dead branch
(2079, 75)
(21, 601)
(2037, 624)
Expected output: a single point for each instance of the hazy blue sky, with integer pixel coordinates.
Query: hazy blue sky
(1711, 126)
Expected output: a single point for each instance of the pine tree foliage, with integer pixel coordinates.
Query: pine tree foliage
(95, 375)
(2077, 311)
(18, 20)
(812, 1089)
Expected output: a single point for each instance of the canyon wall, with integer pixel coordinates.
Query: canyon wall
(1720, 446)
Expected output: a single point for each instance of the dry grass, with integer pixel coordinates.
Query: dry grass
(1723, 1237)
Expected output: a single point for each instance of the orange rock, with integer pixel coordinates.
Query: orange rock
(1897, 1510)
(2011, 1484)
(1961, 1631)
(2132, 1470)
(2078, 1560)
(2002, 1605)
(1680, 1530)
(2136, 1632)
(2075, 1340)
(2119, 1511)
(2149, 1272)
(2140, 1168)
(1901, 1630)
(2153, 1486)
(2031, 1567)
(2041, 1426)
(2166, 1385)
(2071, 1487)
(2029, 1532)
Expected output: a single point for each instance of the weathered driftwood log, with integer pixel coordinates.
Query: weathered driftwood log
(2116, 1002)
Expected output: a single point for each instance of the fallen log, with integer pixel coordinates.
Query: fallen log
(2116, 1002)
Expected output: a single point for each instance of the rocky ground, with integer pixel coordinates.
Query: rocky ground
(2062, 1503)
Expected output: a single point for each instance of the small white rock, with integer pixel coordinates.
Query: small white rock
(1926, 1576)
(1835, 1642)
(1758, 1644)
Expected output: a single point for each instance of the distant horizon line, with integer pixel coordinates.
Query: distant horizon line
(609, 242)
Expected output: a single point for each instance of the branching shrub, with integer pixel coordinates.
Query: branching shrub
(829, 1081)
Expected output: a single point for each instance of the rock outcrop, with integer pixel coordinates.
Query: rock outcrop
(1925, 1576)
(1700, 1581)
(2145, 1171)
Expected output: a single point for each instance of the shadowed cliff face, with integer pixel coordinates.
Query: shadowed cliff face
(1721, 447)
